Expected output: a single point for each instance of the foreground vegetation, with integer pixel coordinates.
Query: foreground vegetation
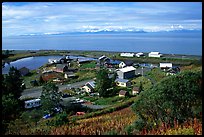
(173, 105)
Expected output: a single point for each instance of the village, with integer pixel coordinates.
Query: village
(131, 77)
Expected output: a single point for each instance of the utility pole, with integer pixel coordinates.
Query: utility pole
(142, 71)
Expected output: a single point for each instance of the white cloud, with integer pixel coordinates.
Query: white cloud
(63, 17)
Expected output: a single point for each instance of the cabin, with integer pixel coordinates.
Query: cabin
(140, 54)
(24, 71)
(112, 63)
(103, 60)
(126, 72)
(89, 86)
(127, 54)
(135, 90)
(69, 75)
(165, 65)
(61, 68)
(123, 93)
(32, 103)
(155, 54)
(126, 63)
(83, 61)
(122, 82)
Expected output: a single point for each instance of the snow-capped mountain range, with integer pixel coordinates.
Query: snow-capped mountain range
(115, 31)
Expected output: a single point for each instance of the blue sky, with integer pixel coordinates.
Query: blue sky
(20, 18)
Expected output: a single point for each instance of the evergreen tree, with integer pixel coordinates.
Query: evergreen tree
(103, 82)
(50, 97)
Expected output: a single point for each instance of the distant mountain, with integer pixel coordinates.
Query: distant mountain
(106, 31)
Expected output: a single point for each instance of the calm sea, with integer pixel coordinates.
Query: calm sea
(189, 43)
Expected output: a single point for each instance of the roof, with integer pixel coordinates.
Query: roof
(127, 69)
(23, 69)
(114, 62)
(84, 60)
(102, 57)
(165, 65)
(154, 53)
(135, 88)
(122, 92)
(60, 66)
(128, 62)
(91, 84)
(121, 80)
(33, 100)
(140, 53)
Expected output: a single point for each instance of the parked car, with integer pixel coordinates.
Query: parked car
(47, 116)
(66, 95)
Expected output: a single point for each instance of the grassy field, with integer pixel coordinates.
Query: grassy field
(99, 125)
(146, 83)
(157, 74)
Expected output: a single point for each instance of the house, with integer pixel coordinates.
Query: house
(127, 54)
(123, 93)
(139, 54)
(89, 86)
(126, 72)
(69, 75)
(103, 59)
(135, 90)
(122, 82)
(83, 60)
(165, 65)
(52, 61)
(154, 54)
(112, 63)
(24, 71)
(61, 68)
(126, 63)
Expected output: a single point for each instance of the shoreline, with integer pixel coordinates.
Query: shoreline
(183, 59)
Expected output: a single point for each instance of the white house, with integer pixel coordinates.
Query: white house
(154, 54)
(139, 54)
(165, 65)
(126, 72)
(127, 54)
(122, 82)
(89, 87)
(122, 64)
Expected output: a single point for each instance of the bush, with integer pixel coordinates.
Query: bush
(175, 97)
(59, 120)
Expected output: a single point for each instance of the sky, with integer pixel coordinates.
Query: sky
(29, 18)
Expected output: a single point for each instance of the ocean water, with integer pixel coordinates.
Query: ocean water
(189, 43)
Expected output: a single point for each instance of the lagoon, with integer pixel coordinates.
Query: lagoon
(33, 63)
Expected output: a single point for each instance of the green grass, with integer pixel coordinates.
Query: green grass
(30, 77)
(157, 74)
(88, 65)
(110, 100)
(146, 83)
